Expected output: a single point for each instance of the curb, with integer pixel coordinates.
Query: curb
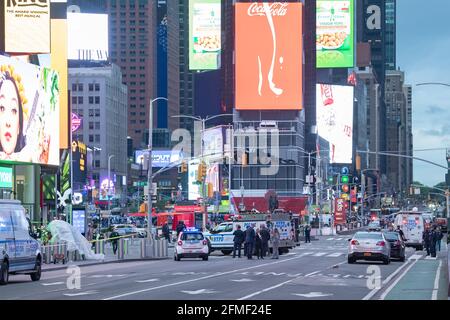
(100, 263)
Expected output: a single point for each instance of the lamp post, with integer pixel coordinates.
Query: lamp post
(203, 121)
(109, 183)
(149, 175)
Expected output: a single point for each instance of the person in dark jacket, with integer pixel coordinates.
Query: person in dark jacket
(308, 233)
(426, 240)
(250, 241)
(114, 239)
(265, 237)
(258, 244)
(180, 227)
(166, 231)
(239, 238)
(440, 235)
(433, 240)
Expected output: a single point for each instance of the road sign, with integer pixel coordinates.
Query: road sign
(344, 170)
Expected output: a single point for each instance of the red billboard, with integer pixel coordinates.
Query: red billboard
(340, 213)
(269, 56)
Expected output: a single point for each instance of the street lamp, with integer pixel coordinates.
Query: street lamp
(109, 183)
(149, 175)
(203, 121)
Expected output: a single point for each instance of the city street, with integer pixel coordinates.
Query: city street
(318, 270)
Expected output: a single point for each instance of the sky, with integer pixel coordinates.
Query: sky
(423, 52)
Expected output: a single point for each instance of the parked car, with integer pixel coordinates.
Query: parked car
(124, 229)
(398, 246)
(191, 243)
(371, 246)
(21, 252)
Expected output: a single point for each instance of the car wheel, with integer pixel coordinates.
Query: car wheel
(402, 259)
(205, 258)
(4, 273)
(351, 260)
(386, 261)
(36, 276)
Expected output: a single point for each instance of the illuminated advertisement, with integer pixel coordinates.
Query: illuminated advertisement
(107, 189)
(29, 113)
(88, 36)
(6, 180)
(26, 26)
(193, 186)
(204, 34)
(213, 144)
(335, 120)
(340, 214)
(335, 34)
(79, 220)
(269, 56)
(160, 158)
(76, 122)
(79, 160)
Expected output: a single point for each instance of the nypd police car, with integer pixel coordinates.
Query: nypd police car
(191, 243)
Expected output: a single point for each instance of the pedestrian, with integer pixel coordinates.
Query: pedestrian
(114, 238)
(180, 227)
(265, 237)
(402, 234)
(258, 245)
(275, 243)
(426, 240)
(166, 231)
(89, 233)
(250, 241)
(308, 234)
(239, 238)
(433, 241)
(440, 235)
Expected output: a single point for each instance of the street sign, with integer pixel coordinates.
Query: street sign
(344, 171)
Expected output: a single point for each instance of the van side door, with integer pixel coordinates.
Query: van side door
(7, 240)
(24, 258)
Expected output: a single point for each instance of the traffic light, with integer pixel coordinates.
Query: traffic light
(344, 179)
(345, 188)
(201, 173)
(210, 190)
(184, 167)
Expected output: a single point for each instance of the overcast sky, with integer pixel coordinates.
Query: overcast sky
(423, 52)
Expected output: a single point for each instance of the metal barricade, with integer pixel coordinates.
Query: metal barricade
(100, 247)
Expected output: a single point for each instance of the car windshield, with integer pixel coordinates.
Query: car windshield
(367, 235)
(391, 235)
(192, 236)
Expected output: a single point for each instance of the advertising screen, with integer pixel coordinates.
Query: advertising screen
(335, 120)
(6, 180)
(193, 186)
(340, 214)
(26, 26)
(204, 34)
(335, 33)
(29, 116)
(79, 160)
(88, 36)
(213, 144)
(269, 56)
(79, 220)
(160, 158)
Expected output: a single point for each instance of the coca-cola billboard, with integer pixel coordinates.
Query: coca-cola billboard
(340, 214)
(269, 56)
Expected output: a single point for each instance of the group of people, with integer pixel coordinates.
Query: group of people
(432, 240)
(256, 242)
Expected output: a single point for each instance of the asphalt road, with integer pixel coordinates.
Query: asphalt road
(318, 270)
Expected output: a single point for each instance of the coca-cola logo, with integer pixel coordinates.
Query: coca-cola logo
(276, 9)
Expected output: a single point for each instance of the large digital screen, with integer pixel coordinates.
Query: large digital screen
(193, 186)
(79, 162)
(79, 220)
(29, 113)
(335, 120)
(335, 33)
(160, 158)
(26, 26)
(88, 36)
(204, 34)
(213, 144)
(269, 56)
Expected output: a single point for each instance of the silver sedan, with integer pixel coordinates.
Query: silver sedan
(372, 246)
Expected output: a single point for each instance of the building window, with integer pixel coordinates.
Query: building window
(91, 126)
(91, 112)
(97, 138)
(142, 121)
(97, 112)
(97, 164)
(91, 87)
(74, 87)
(97, 126)
(97, 100)
(133, 106)
(91, 100)
(80, 100)
(74, 100)
(91, 138)
(80, 87)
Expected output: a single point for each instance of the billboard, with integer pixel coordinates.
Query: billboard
(269, 56)
(193, 186)
(204, 34)
(26, 26)
(79, 220)
(88, 36)
(340, 214)
(6, 180)
(160, 158)
(213, 144)
(29, 113)
(79, 160)
(335, 33)
(334, 113)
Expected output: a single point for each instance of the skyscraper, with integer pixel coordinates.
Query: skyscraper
(390, 34)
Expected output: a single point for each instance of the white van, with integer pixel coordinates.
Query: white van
(412, 225)
(20, 253)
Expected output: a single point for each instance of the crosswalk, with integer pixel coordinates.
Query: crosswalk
(336, 239)
(324, 254)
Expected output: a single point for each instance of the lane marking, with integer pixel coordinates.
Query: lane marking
(312, 294)
(145, 281)
(198, 279)
(242, 280)
(319, 254)
(336, 254)
(264, 290)
(200, 291)
(436, 282)
(52, 284)
(330, 239)
(386, 292)
(347, 276)
(80, 293)
(310, 274)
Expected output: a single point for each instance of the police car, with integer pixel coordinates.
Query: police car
(191, 244)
